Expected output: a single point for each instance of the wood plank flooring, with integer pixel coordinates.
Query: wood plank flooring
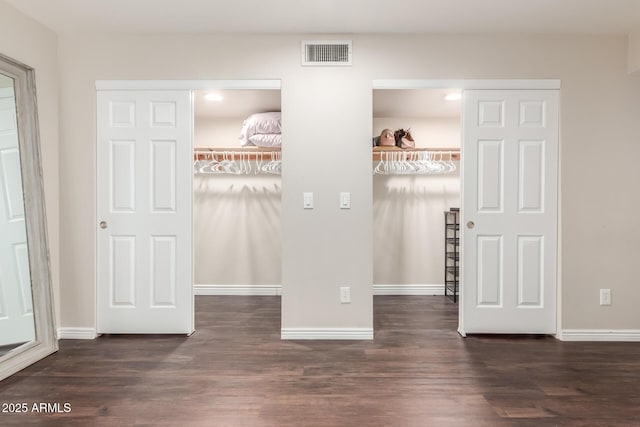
(235, 371)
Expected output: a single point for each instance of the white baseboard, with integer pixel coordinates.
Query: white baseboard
(629, 335)
(326, 333)
(237, 290)
(409, 289)
(77, 333)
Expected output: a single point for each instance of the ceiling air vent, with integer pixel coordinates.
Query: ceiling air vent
(326, 52)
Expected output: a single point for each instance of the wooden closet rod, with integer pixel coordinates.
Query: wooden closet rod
(266, 153)
(447, 153)
(236, 153)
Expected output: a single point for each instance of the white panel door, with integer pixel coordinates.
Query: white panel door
(16, 307)
(144, 235)
(509, 211)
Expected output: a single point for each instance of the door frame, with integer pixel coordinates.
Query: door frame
(168, 85)
(492, 84)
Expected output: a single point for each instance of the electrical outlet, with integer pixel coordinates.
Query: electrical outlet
(345, 295)
(605, 296)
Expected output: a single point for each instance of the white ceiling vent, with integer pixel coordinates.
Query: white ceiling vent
(326, 52)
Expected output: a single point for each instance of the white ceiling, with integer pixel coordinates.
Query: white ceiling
(335, 16)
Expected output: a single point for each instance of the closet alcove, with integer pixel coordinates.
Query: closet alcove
(410, 193)
(237, 197)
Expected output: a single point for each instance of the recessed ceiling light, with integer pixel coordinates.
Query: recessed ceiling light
(214, 97)
(454, 96)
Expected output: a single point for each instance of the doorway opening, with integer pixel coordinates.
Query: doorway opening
(416, 187)
(237, 191)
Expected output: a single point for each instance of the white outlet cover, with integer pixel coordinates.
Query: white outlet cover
(345, 294)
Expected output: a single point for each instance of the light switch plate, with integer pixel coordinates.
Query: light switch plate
(307, 200)
(345, 200)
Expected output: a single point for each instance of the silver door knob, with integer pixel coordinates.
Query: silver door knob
(470, 225)
(103, 224)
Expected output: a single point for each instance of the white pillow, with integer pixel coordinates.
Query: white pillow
(266, 139)
(260, 123)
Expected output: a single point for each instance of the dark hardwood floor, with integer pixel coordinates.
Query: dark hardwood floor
(235, 371)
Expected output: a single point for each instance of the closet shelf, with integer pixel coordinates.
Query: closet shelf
(201, 153)
(446, 153)
(237, 153)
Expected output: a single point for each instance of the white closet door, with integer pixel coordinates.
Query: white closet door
(16, 308)
(510, 147)
(144, 209)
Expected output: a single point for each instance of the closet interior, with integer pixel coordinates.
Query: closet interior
(237, 197)
(415, 180)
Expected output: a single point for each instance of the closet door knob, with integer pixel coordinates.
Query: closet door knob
(470, 225)
(103, 224)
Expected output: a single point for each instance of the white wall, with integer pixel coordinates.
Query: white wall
(327, 128)
(327, 111)
(408, 227)
(217, 132)
(237, 234)
(440, 132)
(26, 41)
(634, 51)
(408, 219)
